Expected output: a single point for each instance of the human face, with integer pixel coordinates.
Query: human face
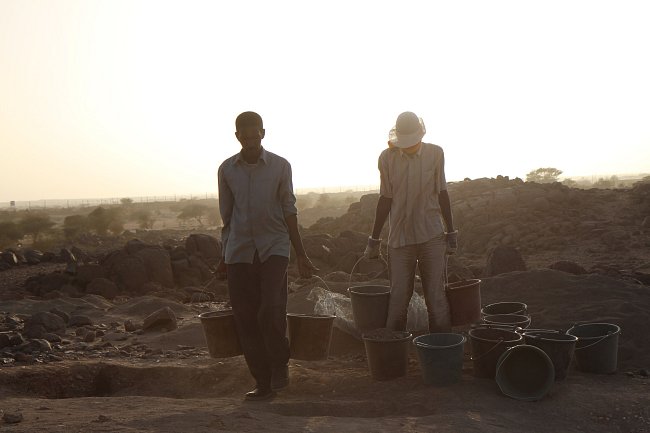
(250, 139)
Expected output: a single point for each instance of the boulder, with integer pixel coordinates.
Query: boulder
(502, 259)
(87, 273)
(80, 320)
(50, 321)
(33, 257)
(206, 246)
(157, 265)
(62, 314)
(102, 287)
(9, 257)
(160, 319)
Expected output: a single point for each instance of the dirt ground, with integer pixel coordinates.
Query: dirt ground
(166, 381)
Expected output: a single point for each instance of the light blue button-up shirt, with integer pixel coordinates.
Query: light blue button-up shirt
(254, 200)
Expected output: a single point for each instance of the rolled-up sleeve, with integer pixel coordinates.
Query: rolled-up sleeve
(226, 203)
(441, 180)
(287, 197)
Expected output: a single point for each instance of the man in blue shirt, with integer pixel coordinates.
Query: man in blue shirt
(258, 208)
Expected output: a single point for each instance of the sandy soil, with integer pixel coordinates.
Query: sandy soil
(166, 381)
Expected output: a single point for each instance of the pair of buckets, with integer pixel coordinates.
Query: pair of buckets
(309, 335)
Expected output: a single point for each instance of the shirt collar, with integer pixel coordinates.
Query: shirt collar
(263, 157)
(402, 153)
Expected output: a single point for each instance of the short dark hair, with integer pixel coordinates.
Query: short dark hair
(248, 118)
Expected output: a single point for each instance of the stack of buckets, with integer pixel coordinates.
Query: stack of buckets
(524, 362)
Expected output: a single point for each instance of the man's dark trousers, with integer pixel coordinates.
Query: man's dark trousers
(258, 295)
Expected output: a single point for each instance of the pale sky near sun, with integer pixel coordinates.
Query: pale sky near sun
(136, 98)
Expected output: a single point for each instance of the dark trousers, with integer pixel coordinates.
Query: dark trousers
(258, 295)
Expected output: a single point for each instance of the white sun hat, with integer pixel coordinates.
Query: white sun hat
(408, 130)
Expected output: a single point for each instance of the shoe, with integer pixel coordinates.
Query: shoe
(280, 378)
(259, 394)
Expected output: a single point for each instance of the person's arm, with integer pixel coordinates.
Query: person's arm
(381, 213)
(445, 209)
(305, 267)
(226, 204)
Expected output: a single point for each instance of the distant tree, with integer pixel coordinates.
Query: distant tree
(126, 201)
(10, 233)
(144, 218)
(570, 183)
(604, 182)
(544, 175)
(101, 220)
(74, 225)
(194, 211)
(35, 224)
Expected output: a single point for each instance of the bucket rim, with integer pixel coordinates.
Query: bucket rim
(463, 284)
(405, 337)
(206, 315)
(616, 330)
(471, 333)
(536, 335)
(387, 292)
(418, 343)
(493, 304)
(549, 365)
(312, 316)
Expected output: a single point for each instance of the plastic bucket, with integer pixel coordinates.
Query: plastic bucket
(509, 320)
(487, 346)
(464, 299)
(559, 347)
(220, 333)
(505, 308)
(597, 347)
(369, 306)
(387, 352)
(525, 373)
(441, 357)
(310, 336)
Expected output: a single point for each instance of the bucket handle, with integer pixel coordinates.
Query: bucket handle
(359, 261)
(491, 349)
(513, 328)
(609, 333)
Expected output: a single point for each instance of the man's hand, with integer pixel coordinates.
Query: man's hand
(372, 250)
(305, 267)
(452, 242)
(222, 270)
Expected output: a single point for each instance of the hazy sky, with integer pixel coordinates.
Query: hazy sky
(134, 98)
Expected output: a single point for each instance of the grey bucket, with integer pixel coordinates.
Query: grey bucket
(309, 336)
(441, 357)
(558, 346)
(508, 320)
(597, 347)
(369, 306)
(525, 373)
(509, 307)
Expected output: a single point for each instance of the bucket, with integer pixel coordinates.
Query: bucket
(369, 306)
(387, 352)
(509, 320)
(505, 308)
(220, 333)
(310, 336)
(597, 347)
(441, 357)
(559, 347)
(487, 346)
(525, 373)
(464, 299)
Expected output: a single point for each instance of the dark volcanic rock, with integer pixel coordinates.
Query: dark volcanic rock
(504, 259)
(102, 287)
(163, 318)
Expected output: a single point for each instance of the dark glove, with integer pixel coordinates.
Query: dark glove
(452, 242)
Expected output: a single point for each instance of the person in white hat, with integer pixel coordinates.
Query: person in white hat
(413, 192)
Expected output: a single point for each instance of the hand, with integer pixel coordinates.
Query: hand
(372, 250)
(305, 267)
(452, 242)
(222, 270)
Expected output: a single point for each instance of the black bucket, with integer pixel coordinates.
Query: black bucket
(441, 357)
(525, 373)
(220, 333)
(369, 306)
(597, 347)
(558, 346)
(508, 320)
(505, 308)
(310, 336)
(487, 346)
(464, 298)
(387, 352)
